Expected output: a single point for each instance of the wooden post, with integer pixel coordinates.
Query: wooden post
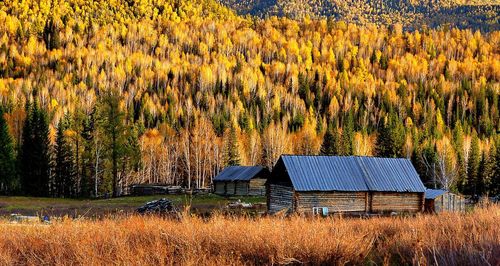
(366, 202)
(295, 200)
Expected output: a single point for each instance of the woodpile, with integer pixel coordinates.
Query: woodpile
(161, 206)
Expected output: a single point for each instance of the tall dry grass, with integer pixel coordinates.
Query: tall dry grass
(448, 239)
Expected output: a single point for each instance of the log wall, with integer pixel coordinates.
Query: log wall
(241, 188)
(257, 187)
(334, 201)
(279, 197)
(230, 188)
(220, 188)
(396, 202)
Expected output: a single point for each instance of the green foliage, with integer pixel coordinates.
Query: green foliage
(34, 156)
(330, 143)
(232, 151)
(347, 136)
(88, 161)
(391, 138)
(65, 170)
(8, 177)
(473, 180)
(112, 122)
(495, 176)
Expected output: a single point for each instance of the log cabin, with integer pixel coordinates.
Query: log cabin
(344, 184)
(241, 181)
(440, 200)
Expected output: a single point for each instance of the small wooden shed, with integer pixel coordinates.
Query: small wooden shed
(440, 200)
(241, 181)
(347, 184)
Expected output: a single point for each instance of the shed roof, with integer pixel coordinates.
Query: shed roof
(241, 173)
(434, 193)
(352, 173)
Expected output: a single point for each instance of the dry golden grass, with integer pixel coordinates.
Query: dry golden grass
(448, 239)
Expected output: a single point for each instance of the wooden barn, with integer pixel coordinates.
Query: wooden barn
(348, 184)
(439, 200)
(241, 181)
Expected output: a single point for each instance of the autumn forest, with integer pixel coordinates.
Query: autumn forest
(98, 95)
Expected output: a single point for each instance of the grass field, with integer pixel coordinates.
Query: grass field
(448, 239)
(102, 207)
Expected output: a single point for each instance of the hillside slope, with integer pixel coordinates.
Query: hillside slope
(481, 14)
(192, 86)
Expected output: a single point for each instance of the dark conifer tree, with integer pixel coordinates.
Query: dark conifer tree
(473, 166)
(426, 161)
(113, 126)
(232, 152)
(330, 142)
(391, 138)
(482, 175)
(34, 158)
(495, 181)
(87, 168)
(384, 146)
(8, 179)
(347, 135)
(65, 171)
(51, 35)
(458, 144)
(487, 171)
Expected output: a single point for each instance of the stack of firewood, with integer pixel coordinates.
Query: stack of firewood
(161, 206)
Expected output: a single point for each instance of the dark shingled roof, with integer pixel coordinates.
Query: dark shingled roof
(434, 193)
(241, 173)
(352, 173)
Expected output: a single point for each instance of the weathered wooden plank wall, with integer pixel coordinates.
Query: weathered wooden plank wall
(220, 188)
(396, 202)
(279, 197)
(334, 201)
(241, 188)
(230, 188)
(257, 187)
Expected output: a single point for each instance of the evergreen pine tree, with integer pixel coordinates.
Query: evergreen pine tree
(114, 129)
(7, 159)
(87, 169)
(480, 183)
(458, 144)
(397, 137)
(347, 135)
(383, 145)
(51, 35)
(232, 152)
(65, 172)
(428, 160)
(34, 157)
(495, 181)
(391, 138)
(473, 166)
(487, 172)
(330, 142)
(132, 155)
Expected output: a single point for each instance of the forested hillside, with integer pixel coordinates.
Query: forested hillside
(97, 95)
(412, 14)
